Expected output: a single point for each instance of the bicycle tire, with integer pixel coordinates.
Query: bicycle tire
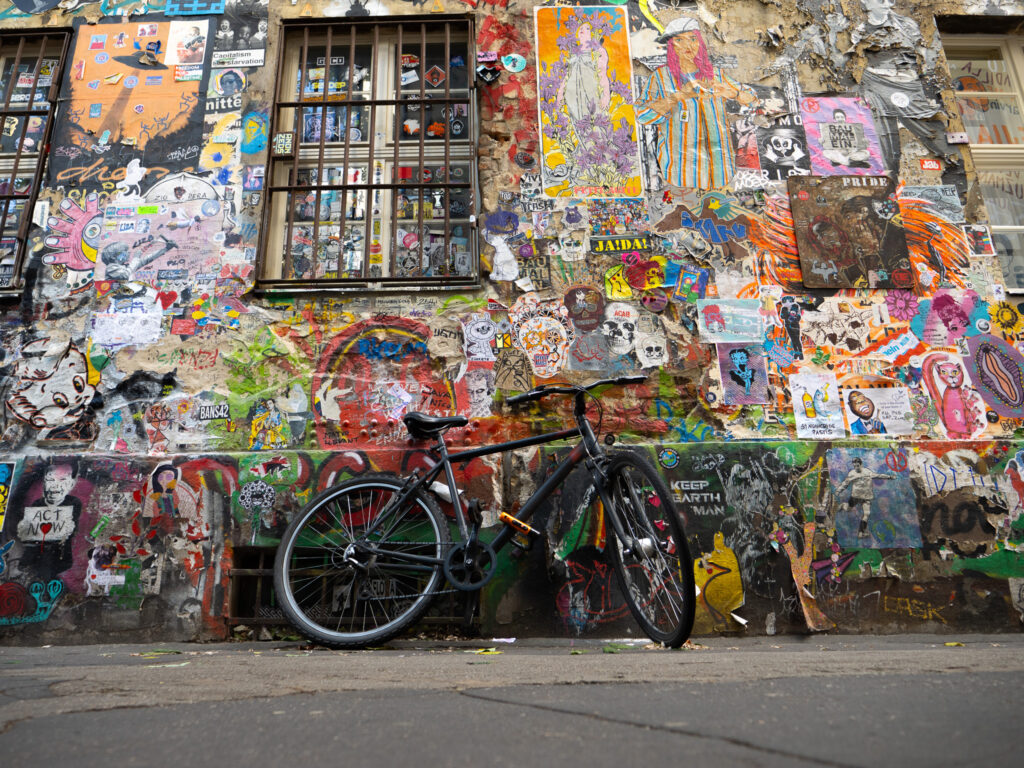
(344, 604)
(656, 575)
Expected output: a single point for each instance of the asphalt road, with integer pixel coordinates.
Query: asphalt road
(903, 700)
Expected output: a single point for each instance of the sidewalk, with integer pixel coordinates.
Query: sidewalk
(816, 700)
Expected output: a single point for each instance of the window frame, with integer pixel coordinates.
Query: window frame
(376, 158)
(995, 157)
(11, 163)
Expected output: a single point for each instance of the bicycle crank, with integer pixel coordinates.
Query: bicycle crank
(469, 567)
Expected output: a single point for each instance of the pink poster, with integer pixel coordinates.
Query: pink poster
(841, 136)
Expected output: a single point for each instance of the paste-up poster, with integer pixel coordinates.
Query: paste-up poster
(878, 411)
(783, 150)
(979, 239)
(134, 95)
(744, 374)
(847, 232)
(587, 120)
(942, 200)
(727, 320)
(6, 483)
(875, 504)
(241, 36)
(817, 406)
(938, 247)
(997, 370)
(841, 137)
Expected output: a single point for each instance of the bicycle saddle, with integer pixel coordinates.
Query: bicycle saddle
(424, 427)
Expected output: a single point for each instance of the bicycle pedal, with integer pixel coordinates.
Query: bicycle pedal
(521, 542)
(524, 528)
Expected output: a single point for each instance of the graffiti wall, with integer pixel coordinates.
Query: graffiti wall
(766, 209)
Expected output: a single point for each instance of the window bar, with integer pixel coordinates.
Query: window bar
(14, 74)
(448, 119)
(7, 199)
(343, 221)
(317, 193)
(272, 165)
(371, 140)
(293, 172)
(422, 191)
(20, 145)
(23, 228)
(395, 168)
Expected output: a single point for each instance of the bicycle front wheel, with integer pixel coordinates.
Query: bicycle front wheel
(354, 568)
(654, 565)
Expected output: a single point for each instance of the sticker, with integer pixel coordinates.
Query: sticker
(139, 109)
(154, 79)
(486, 57)
(668, 457)
(131, 81)
(95, 110)
(488, 74)
(930, 164)
(409, 77)
(97, 42)
(900, 99)
(188, 72)
(102, 58)
(435, 76)
(514, 62)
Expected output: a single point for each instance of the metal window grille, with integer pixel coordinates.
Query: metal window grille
(30, 68)
(372, 175)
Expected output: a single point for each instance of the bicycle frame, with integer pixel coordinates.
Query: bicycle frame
(586, 450)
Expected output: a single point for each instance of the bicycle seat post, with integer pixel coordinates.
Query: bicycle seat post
(453, 489)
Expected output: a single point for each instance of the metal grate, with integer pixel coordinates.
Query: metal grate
(372, 170)
(30, 68)
(252, 601)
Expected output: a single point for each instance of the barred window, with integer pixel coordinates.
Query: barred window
(372, 173)
(30, 66)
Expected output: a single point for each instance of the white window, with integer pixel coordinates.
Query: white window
(372, 173)
(987, 77)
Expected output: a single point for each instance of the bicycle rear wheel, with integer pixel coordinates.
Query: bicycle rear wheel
(353, 569)
(654, 566)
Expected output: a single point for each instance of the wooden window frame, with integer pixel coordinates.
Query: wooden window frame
(354, 171)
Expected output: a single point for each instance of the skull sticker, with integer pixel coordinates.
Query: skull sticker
(651, 350)
(619, 327)
(543, 331)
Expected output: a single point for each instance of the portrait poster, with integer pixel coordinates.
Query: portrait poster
(127, 96)
(728, 320)
(241, 36)
(817, 406)
(866, 488)
(878, 411)
(744, 374)
(782, 148)
(841, 136)
(587, 120)
(847, 232)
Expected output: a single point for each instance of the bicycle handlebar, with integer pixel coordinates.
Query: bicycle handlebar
(561, 389)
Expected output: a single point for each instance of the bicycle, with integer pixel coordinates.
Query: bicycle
(363, 560)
